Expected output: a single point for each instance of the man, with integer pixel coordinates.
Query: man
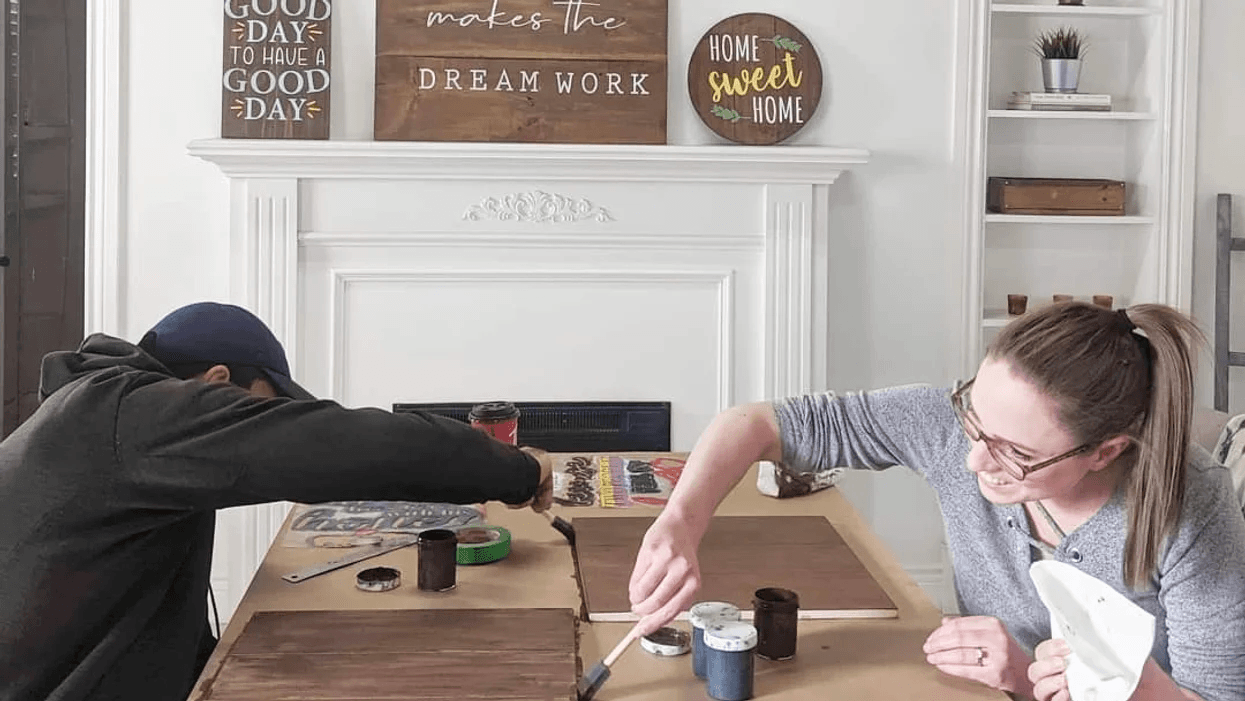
(108, 494)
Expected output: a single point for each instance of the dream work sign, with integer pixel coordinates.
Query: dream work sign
(275, 81)
(569, 71)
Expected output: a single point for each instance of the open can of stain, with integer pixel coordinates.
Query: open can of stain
(775, 613)
(378, 579)
(702, 616)
(666, 641)
(498, 419)
(438, 560)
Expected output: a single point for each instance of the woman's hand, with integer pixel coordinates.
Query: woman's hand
(666, 575)
(1047, 671)
(979, 648)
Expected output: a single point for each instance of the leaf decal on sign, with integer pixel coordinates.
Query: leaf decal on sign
(727, 114)
(783, 42)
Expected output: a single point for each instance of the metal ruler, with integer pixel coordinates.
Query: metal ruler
(359, 555)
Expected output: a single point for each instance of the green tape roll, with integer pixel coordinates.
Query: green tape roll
(478, 545)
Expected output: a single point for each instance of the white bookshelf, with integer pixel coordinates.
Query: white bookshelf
(1141, 52)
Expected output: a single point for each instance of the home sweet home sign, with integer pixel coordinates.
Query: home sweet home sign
(275, 80)
(569, 71)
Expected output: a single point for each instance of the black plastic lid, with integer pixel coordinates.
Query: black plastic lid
(493, 411)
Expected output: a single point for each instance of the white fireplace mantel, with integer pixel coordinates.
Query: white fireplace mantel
(689, 274)
(271, 158)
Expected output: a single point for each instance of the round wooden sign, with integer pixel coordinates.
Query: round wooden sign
(754, 79)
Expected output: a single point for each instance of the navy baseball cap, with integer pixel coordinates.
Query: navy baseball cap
(210, 332)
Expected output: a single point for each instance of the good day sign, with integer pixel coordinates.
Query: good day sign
(275, 80)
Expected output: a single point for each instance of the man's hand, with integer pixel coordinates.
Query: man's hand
(543, 498)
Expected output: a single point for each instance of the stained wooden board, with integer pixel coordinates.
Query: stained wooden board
(402, 654)
(738, 555)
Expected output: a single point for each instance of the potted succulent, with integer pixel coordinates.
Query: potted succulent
(1061, 51)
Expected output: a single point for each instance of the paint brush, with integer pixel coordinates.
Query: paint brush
(591, 682)
(562, 525)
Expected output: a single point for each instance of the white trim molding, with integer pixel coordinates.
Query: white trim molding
(789, 322)
(1186, 19)
(723, 281)
(105, 175)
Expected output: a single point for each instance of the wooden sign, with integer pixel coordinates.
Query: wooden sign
(565, 71)
(754, 79)
(276, 77)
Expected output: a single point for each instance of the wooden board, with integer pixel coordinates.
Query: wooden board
(522, 70)
(739, 554)
(275, 82)
(754, 79)
(406, 654)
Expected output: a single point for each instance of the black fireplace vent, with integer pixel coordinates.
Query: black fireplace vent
(574, 427)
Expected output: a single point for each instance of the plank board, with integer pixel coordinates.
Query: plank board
(738, 555)
(402, 654)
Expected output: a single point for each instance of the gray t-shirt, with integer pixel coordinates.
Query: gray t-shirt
(1198, 595)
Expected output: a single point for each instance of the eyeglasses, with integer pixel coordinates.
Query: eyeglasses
(1007, 455)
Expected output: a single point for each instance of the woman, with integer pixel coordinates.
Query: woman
(1075, 438)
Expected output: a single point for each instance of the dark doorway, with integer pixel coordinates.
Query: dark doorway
(44, 192)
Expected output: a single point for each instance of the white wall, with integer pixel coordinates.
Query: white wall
(1220, 168)
(895, 254)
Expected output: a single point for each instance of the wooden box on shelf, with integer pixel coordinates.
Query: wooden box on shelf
(1072, 196)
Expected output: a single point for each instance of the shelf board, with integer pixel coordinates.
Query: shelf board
(1072, 10)
(1071, 114)
(1066, 219)
(995, 318)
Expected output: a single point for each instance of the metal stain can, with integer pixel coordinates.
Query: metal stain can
(498, 419)
(702, 616)
(729, 665)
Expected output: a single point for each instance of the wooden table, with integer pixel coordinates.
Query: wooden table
(858, 659)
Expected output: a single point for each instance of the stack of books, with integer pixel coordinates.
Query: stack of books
(1059, 101)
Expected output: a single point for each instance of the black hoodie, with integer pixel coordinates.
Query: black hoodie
(107, 509)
